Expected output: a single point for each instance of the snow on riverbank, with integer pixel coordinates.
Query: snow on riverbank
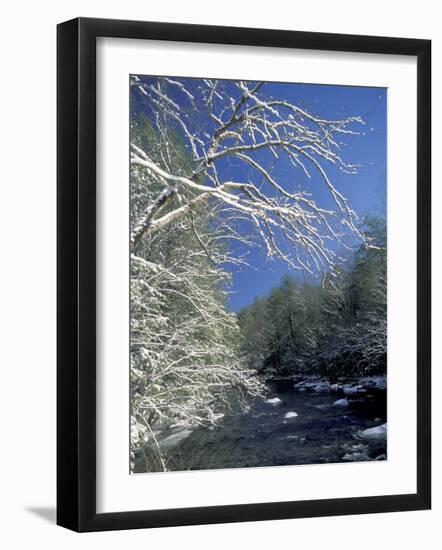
(173, 440)
(350, 389)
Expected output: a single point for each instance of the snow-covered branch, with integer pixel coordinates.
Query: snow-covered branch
(271, 145)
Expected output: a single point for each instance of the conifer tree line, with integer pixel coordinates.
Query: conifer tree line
(334, 329)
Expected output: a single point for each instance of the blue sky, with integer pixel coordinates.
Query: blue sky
(365, 191)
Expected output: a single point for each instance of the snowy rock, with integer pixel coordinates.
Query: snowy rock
(307, 382)
(274, 401)
(378, 432)
(341, 403)
(290, 414)
(374, 382)
(313, 384)
(349, 389)
(321, 387)
(173, 440)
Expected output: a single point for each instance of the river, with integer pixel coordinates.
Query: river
(288, 427)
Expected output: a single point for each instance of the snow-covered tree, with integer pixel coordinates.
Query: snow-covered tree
(249, 151)
(186, 365)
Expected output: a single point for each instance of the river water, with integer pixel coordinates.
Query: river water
(267, 435)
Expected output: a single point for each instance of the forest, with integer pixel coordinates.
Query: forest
(211, 178)
(335, 328)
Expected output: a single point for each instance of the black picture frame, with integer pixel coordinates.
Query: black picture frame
(77, 287)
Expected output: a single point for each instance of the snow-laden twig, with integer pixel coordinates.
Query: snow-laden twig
(240, 121)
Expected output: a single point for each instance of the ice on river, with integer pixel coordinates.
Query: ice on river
(290, 414)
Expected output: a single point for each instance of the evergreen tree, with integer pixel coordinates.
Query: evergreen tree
(334, 329)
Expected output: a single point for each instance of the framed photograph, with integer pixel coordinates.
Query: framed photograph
(243, 274)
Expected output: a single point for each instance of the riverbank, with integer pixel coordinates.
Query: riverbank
(307, 420)
(341, 385)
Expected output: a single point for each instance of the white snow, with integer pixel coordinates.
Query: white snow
(274, 401)
(165, 97)
(341, 403)
(378, 432)
(290, 414)
(172, 440)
